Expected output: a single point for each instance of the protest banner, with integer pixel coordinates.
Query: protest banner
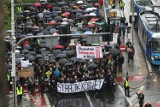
(80, 86)
(26, 73)
(89, 52)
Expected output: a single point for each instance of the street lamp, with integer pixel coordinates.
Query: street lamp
(13, 41)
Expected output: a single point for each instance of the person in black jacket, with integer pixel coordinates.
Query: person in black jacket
(141, 98)
(147, 105)
(120, 61)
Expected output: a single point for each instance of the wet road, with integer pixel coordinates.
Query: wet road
(106, 97)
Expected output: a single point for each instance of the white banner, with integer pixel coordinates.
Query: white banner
(24, 63)
(80, 86)
(89, 52)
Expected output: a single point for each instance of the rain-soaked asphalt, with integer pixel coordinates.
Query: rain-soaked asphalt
(106, 97)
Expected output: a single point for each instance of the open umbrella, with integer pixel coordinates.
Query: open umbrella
(49, 6)
(74, 59)
(31, 58)
(25, 51)
(92, 65)
(63, 61)
(32, 52)
(52, 61)
(53, 30)
(88, 32)
(68, 64)
(61, 56)
(39, 56)
(91, 25)
(37, 4)
(114, 51)
(58, 18)
(96, 4)
(92, 14)
(56, 52)
(67, 13)
(64, 23)
(59, 47)
(80, 2)
(52, 22)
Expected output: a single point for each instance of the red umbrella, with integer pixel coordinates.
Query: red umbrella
(96, 4)
(59, 47)
(37, 4)
(66, 13)
(52, 22)
(91, 25)
(94, 20)
(49, 6)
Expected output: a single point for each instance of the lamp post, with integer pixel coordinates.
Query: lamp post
(13, 73)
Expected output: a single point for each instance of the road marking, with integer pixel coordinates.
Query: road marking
(47, 101)
(89, 99)
(128, 100)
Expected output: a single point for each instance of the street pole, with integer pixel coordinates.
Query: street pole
(13, 73)
(133, 19)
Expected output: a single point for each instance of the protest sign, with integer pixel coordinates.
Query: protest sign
(80, 86)
(89, 52)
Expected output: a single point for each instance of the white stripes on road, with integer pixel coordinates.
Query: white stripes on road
(89, 99)
(47, 100)
(128, 100)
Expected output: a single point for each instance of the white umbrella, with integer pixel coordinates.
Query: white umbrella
(89, 9)
(79, 2)
(65, 19)
(17, 51)
(92, 14)
(64, 23)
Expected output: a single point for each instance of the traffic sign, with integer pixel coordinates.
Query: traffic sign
(122, 48)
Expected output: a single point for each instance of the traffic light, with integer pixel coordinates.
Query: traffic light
(64, 29)
(109, 29)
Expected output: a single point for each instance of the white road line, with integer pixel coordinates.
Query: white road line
(89, 99)
(128, 100)
(47, 100)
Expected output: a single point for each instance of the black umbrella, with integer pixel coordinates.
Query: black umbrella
(61, 56)
(56, 52)
(19, 56)
(46, 32)
(46, 58)
(27, 55)
(81, 60)
(32, 52)
(39, 56)
(74, 59)
(58, 18)
(18, 60)
(89, 5)
(61, 3)
(92, 65)
(52, 61)
(63, 61)
(31, 58)
(43, 49)
(25, 51)
(114, 51)
(42, 45)
(68, 64)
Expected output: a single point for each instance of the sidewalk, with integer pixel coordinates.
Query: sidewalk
(137, 70)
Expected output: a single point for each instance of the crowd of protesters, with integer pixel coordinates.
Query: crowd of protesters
(42, 18)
